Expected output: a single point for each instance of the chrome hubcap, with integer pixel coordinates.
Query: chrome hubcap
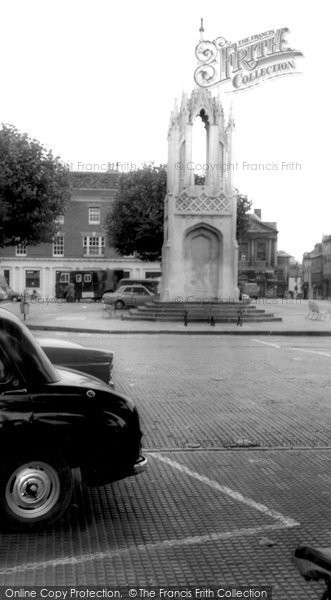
(32, 490)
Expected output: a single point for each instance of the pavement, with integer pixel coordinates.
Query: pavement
(91, 317)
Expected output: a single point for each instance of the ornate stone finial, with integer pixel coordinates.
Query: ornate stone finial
(201, 30)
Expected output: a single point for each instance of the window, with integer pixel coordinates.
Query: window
(152, 274)
(243, 251)
(87, 278)
(65, 278)
(32, 279)
(58, 246)
(94, 216)
(261, 251)
(94, 245)
(21, 249)
(6, 274)
(2, 371)
(140, 291)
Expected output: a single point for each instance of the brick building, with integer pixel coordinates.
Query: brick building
(258, 255)
(79, 245)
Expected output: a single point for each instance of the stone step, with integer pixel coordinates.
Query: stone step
(225, 312)
(235, 304)
(203, 313)
(138, 316)
(206, 310)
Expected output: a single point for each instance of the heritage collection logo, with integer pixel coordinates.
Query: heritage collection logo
(246, 63)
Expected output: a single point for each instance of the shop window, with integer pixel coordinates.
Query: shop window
(32, 279)
(6, 274)
(152, 274)
(65, 278)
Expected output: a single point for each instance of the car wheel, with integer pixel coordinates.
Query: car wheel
(119, 304)
(34, 493)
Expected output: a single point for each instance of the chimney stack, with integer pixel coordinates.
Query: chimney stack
(257, 212)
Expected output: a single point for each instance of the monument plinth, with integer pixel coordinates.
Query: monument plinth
(200, 251)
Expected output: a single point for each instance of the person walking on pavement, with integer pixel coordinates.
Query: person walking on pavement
(240, 318)
(70, 295)
(186, 318)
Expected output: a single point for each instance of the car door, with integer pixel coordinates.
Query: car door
(63, 418)
(141, 295)
(16, 414)
(127, 296)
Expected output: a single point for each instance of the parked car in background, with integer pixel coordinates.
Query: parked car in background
(53, 420)
(8, 294)
(152, 285)
(93, 361)
(129, 295)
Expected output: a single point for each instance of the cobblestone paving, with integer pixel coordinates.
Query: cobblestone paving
(215, 393)
(213, 509)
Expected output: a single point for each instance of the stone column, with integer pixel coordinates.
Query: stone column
(269, 253)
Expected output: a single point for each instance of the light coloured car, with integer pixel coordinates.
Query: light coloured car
(129, 295)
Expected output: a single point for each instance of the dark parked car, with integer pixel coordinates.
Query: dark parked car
(92, 361)
(52, 420)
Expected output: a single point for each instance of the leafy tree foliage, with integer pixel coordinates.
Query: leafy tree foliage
(34, 189)
(135, 221)
(243, 207)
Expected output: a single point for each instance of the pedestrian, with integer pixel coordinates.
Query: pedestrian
(212, 321)
(70, 295)
(240, 318)
(186, 318)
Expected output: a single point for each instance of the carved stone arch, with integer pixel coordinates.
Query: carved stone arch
(202, 254)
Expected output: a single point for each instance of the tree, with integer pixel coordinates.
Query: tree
(243, 207)
(34, 189)
(135, 222)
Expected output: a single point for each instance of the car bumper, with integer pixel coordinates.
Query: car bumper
(140, 466)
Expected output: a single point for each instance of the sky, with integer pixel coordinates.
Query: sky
(96, 82)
